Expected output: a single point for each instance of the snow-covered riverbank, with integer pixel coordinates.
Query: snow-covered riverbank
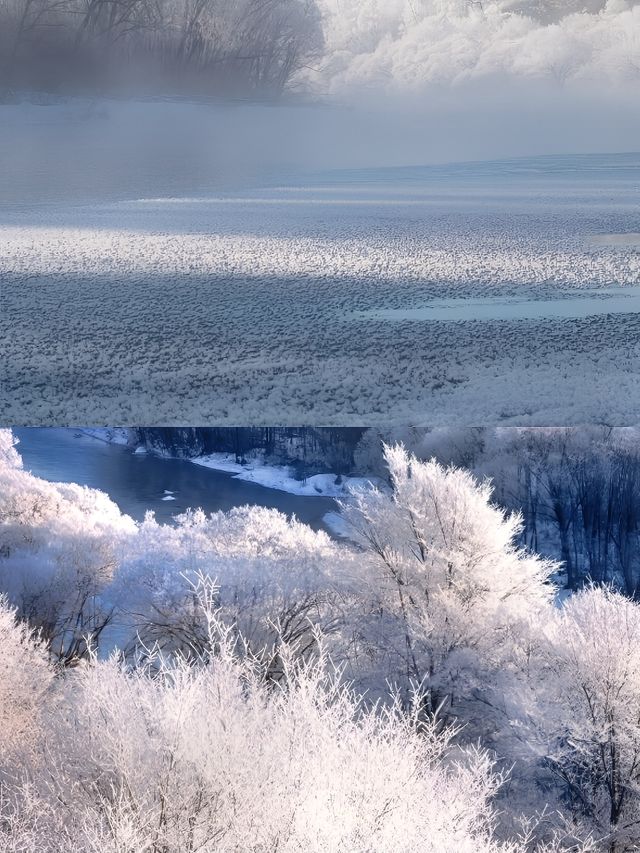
(253, 469)
(281, 477)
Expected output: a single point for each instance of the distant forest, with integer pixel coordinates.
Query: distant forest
(263, 48)
(169, 46)
(307, 448)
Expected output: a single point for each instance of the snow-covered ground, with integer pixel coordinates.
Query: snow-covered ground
(281, 477)
(270, 305)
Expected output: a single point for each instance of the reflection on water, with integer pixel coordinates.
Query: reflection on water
(612, 300)
(141, 482)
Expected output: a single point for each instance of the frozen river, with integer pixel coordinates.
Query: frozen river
(152, 284)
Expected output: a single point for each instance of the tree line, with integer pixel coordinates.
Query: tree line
(231, 47)
(308, 448)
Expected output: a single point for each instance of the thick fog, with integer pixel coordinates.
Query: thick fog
(359, 83)
(95, 149)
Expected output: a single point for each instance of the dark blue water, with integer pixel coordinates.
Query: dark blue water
(137, 483)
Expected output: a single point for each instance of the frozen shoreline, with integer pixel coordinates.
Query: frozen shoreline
(254, 470)
(281, 477)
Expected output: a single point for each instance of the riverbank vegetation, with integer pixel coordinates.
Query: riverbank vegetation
(238, 681)
(177, 47)
(577, 489)
(264, 48)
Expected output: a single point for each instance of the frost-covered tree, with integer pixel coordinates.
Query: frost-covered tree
(590, 713)
(204, 45)
(409, 45)
(453, 598)
(59, 550)
(275, 579)
(208, 754)
(27, 697)
(25, 682)
(577, 489)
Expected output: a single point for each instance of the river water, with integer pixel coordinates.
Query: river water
(140, 482)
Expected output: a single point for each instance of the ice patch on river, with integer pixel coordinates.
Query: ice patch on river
(620, 300)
